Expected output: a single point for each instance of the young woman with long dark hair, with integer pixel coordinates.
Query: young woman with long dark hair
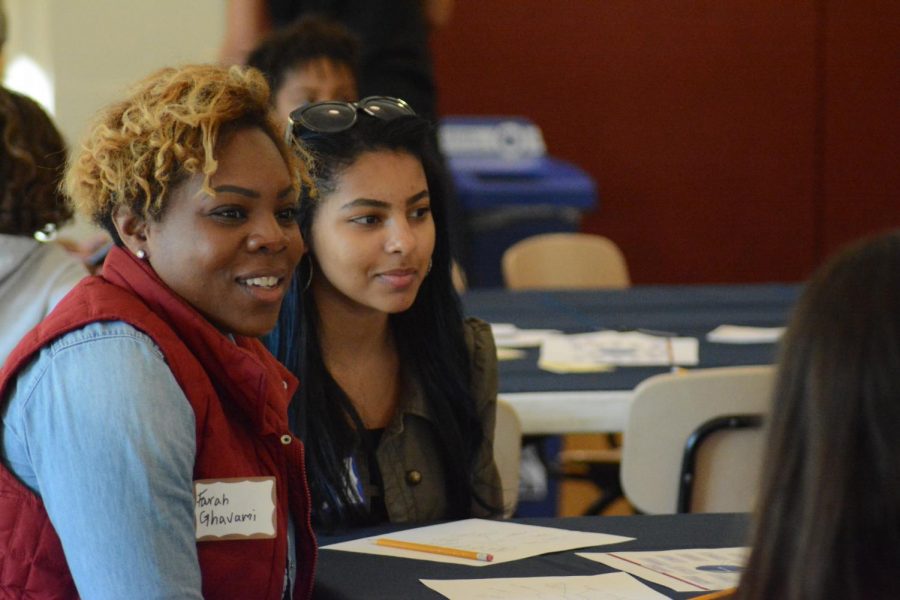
(398, 401)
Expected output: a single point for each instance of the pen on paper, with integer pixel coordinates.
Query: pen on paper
(471, 554)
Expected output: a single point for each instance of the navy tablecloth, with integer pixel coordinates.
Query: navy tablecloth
(683, 310)
(345, 575)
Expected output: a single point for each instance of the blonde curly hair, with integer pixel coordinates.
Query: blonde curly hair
(166, 130)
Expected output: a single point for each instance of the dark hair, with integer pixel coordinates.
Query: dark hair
(429, 337)
(32, 163)
(828, 522)
(309, 38)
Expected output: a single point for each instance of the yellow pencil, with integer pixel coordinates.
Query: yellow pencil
(483, 556)
(717, 595)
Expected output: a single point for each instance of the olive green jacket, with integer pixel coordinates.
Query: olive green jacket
(411, 467)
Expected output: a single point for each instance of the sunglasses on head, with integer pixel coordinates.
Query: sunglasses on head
(334, 116)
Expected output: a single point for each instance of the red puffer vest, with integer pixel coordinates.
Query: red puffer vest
(221, 379)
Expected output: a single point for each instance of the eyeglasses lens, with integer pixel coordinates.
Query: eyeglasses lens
(385, 108)
(328, 117)
(332, 117)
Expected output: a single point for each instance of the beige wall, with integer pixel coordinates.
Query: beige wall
(93, 49)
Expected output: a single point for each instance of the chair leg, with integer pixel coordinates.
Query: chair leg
(603, 476)
(609, 494)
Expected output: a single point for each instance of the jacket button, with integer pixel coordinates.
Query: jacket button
(286, 439)
(413, 477)
(284, 384)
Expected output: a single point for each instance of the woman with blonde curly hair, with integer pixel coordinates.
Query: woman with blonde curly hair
(145, 436)
(35, 273)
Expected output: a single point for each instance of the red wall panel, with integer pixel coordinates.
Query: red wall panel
(702, 122)
(860, 177)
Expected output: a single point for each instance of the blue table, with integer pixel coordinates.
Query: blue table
(549, 403)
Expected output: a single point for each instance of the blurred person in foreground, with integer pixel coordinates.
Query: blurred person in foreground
(35, 272)
(311, 60)
(828, 522)
(146, 450)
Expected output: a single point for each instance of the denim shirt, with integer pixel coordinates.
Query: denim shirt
(98, 427)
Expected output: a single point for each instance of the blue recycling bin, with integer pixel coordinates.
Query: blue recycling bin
(509, 189)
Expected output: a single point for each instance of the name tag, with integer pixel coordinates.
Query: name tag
(234, 509)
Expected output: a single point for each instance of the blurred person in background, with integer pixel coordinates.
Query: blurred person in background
(35, 272)
(395, 57)
(312, 60)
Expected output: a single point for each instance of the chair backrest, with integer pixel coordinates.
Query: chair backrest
(667, 410)
(508, 453)
(565, 260)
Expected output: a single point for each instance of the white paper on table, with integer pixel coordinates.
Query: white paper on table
(739, 334)
(506, 541)
(509, 353)
(582, 351)
(689, 570)
(501, 329)
(507, 335)
(611, 586)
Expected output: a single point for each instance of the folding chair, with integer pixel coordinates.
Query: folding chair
(694, 441)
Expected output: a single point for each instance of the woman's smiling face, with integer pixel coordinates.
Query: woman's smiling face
(231, 255)
(373, 234)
